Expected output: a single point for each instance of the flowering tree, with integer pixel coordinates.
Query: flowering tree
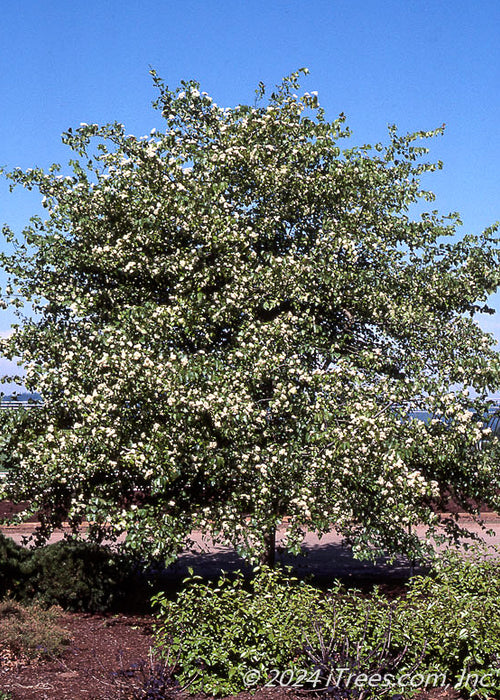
(233, 317)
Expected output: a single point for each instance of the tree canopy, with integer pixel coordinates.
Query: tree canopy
(233, 319)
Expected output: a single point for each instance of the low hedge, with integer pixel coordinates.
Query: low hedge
(13, 558)
(281, 631)
(75, 575)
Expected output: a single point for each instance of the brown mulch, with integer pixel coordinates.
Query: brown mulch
(93, 667)
(101, 663)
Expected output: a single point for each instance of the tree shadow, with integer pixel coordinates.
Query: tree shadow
(321, 563)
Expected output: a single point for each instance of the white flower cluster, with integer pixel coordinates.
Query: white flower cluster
(233, 315)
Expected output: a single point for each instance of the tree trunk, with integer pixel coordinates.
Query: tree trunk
(268, 557)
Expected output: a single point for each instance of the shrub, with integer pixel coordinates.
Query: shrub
(447, 628)
(76, 575)
(221, 631)
(343, 658)
(356, 641)
(81, 576)
(275, 628)
(457, 610)
(12, 560)
(31, 631)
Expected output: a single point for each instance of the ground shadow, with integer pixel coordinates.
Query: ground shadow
(322, 563)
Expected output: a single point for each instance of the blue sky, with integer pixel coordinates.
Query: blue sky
(418, 64)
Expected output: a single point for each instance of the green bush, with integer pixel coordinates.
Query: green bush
(352, 653)
(457, 612)
(12, 560)
(82, 576)
(445, 630)
(75, 575)
(221, 631)
(276, 628)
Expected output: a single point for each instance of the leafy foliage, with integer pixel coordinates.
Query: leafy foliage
(442, 632)
(84, 576)
(75, 575)
(458, 613)
(233, 317)
(342, 659)
(12, 560)
(220, 632)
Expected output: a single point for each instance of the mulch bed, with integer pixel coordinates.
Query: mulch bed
(93, 667)
(102, 663)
